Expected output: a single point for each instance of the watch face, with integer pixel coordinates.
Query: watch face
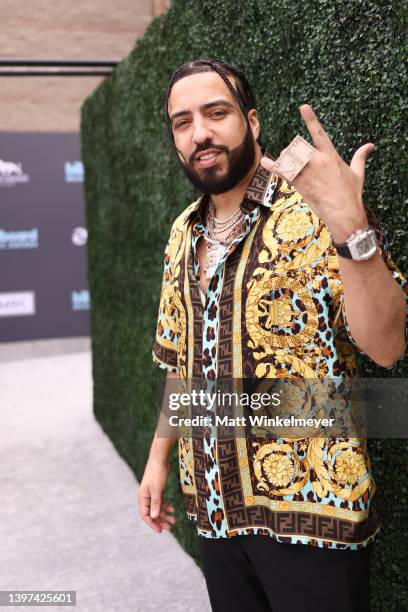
(365, 244)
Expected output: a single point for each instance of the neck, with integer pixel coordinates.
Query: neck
(227, 203)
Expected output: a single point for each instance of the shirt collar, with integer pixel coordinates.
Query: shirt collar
(259, 191)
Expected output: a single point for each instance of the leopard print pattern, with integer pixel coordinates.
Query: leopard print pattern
(214, 501)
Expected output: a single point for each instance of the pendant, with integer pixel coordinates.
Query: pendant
(215, 253)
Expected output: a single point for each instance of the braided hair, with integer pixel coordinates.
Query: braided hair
(242, 94)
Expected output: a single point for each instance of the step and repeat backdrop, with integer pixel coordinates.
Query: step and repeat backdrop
(43, 267)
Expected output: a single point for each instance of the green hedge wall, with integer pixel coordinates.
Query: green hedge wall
(349, 60)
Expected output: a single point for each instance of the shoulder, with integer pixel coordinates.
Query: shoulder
(286, 206)
(178, 235)
(285, 196)
(180, 222)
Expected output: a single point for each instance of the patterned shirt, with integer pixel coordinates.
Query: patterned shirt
(273, 308)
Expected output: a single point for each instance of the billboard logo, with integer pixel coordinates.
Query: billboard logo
(79, 236)
(11, 173)
(17, 304)
(74, 172)
(19, 240)
(80, 300)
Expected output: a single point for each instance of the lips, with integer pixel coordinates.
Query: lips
(207, 158)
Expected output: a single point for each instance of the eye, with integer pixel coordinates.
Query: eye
(218, 114)
(180, 124)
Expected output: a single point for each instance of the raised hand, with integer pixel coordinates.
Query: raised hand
(333, 189)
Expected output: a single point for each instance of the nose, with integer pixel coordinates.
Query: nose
(201, 132)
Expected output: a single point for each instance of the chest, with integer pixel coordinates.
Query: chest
(202, 257)
(203, 253)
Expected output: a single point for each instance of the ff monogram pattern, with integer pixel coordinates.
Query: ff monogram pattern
(274, 308)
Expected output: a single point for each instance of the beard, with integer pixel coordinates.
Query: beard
(240, 161)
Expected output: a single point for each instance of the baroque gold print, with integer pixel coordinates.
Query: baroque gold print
(294, 236)
(186, 461)
(294, 226)
(341, 466)
(167, 324)
(279, 313)
(301, 399)
(175, 251)
(278, 470)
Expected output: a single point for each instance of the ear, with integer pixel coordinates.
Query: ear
(181, 156)
(254, 122)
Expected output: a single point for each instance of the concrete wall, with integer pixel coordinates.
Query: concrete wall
(63, 29)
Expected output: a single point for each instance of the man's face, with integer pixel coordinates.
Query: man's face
(210, 133)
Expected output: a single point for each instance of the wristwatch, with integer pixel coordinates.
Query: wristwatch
(359, 246)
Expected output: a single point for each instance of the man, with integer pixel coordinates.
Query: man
(258, 280)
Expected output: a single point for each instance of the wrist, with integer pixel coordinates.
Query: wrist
(344, 228)
(160, 449)
(158, 461)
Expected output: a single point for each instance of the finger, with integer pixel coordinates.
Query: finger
(169, 518)
(144, 503)
(168, 507)
(267, 163)
(320, 137)
(165, 526)
(164, 521)
(152, 523)
(144, 508)
(155, 505)
(359, 159)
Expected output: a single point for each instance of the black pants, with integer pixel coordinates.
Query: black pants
(254, 573)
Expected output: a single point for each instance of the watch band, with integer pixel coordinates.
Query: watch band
(343, 250)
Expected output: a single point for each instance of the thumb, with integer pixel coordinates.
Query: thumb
(155, 505)
(359, 159)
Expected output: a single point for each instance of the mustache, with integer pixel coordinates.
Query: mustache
(207, 145)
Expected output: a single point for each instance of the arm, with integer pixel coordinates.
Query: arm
(373, 301)
(375, 309)
(153, 509)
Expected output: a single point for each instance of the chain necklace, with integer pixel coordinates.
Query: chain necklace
(221, 226)
(216, 247)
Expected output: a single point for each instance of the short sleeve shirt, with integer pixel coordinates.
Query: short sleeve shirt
(274, 308)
